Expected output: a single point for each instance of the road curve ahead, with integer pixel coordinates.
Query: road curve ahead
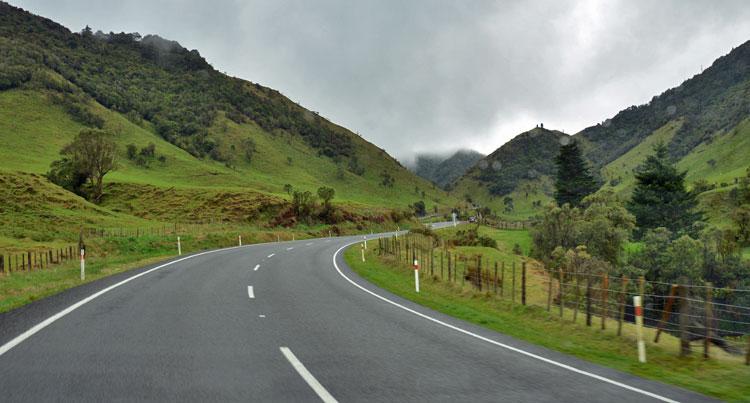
(278, 322)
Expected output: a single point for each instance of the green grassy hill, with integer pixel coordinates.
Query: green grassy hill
(520, 169)
(54, 83)
(704, 122)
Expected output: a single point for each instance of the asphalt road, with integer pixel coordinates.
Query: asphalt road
(194, 330)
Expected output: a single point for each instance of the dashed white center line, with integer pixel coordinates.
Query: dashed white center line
(250, 292)
(271, 255)
(261, 316)
(257, 266)
(307, 376)
(308, 244)
(290, 248)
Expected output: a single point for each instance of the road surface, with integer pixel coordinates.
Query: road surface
(278, 322)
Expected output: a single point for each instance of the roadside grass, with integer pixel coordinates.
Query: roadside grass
(506, 239)
(722, 376)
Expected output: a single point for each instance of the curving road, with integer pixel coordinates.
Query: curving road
(278, 322)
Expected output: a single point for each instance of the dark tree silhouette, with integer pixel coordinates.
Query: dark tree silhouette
(574, 180)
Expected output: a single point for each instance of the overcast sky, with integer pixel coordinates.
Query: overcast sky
(415, 76)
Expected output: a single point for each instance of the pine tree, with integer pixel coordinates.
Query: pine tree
(660, 198)
(574, 180)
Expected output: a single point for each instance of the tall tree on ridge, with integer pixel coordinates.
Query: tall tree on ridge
(574, 180)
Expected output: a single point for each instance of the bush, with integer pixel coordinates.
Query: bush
(13, 76)
(471, 237)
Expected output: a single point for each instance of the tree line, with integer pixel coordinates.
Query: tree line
(659, 232)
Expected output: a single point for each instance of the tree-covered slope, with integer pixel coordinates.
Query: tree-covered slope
(703, 122)
(520, 169)
(444, 170)
(528, 156)
(709, 104)
(212, 133)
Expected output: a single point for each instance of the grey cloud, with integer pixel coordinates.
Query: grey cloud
(427, 75)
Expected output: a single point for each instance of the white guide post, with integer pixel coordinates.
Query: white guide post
(83, 264)
(416, 275)
(637, 304)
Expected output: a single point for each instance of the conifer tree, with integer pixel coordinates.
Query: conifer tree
(660, 198)
(574, 180)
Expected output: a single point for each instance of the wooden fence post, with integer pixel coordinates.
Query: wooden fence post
(450, 278)
(495, 277)
(502, 278)
(513, 287)
(621, 303)
(432, 260)
(605, 300)
(684, 321)
(561, 294)
(2, 264)
(463, 271)
(442, 253)
(31, 266)
(549, 289)
(479, 272)
(577, 294)
(666, 313)
(588, 297)
(709, 319)
(523, 283)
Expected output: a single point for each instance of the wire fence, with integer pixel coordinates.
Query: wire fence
(37, 259)
(717, 318)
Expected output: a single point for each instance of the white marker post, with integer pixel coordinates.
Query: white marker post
(416, 275)
(179, 247)
(639, 328)
(365, 238)
(398, 229)
(454, 218)
(362, 248)
(83, 264)
(240, 237)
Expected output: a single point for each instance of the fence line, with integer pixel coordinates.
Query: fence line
(718, 316)
(37, 259)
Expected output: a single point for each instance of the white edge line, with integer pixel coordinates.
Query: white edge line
(271, 255)
(250, 292)
(307, 376)
(257, 266)
(515, 349)
(41, 325)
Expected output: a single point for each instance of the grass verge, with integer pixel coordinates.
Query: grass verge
(722, 379)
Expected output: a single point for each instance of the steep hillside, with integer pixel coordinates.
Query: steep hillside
(444, 170)
(704, 122)
(710, 104)
(521, 169)
(529, 156)
(224, 148)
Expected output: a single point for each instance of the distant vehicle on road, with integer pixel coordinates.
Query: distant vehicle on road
(473, 219)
